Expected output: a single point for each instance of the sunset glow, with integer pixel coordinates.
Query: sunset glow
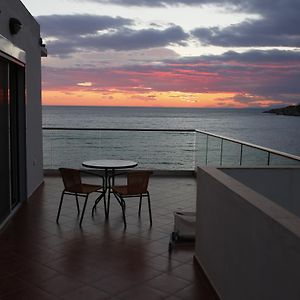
(151, 99)
(179, 54)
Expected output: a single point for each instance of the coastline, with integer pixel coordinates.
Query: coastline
(291, 110)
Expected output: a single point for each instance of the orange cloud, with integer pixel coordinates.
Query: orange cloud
(128, 98)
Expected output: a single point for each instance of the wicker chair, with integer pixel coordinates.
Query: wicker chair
(137, 186)
(74, 186)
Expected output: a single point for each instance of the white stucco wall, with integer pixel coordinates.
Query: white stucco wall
(28, 40)
(248, 246)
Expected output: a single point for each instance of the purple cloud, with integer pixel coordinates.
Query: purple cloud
(66, 26)
(262, 75)
(124, 39)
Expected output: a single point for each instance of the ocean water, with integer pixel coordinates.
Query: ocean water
(162, 150)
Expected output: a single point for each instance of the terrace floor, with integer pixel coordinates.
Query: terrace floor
(42, 260)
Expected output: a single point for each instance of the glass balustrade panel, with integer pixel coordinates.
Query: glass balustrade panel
(69, 148)
(162, 150)
(278, 160)
(252, 157)
(231, 154)
(200, 149)
(214, 148)
(152, 150)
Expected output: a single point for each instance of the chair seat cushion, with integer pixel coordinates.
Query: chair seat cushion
(123, 190)
(84, 188)
(120, 189)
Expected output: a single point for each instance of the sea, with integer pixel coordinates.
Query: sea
(162, 150)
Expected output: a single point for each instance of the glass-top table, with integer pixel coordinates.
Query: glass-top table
(109, 166)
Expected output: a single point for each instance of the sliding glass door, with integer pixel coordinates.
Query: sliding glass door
(12, 136)
(5, 174)
(17, 133)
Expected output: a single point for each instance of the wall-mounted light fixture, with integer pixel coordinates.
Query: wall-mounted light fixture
(44, 52)
(14, 25)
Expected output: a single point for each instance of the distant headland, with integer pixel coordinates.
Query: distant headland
(291, 110)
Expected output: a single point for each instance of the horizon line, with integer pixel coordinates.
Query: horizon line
(179, 107)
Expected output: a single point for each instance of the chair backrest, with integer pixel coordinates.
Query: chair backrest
(137, 182)
(70, 177)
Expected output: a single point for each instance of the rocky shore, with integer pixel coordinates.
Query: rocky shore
(292, 110)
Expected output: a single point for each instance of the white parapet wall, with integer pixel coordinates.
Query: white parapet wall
(248, 245)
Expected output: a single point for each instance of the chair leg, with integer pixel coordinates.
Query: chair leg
(123, 212)
(140, 205)
(60, 204)
(108, 186)
(108, 204)
(105, 206)
(122, 204)
(96, 203)
(83, 210)
(78, 209)
(149, 206)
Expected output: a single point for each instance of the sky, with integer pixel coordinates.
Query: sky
(170, 53)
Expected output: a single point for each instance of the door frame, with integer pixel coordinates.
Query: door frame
(16, 59)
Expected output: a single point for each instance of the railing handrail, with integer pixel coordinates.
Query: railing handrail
(119, 129)
(266, 149)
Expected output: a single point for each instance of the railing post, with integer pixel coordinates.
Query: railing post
(221, 154)
(195, 145)
(51, 151)
(241, 154)
(269, 156)
(206, 149)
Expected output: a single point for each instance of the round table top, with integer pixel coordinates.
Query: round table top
(109, 164)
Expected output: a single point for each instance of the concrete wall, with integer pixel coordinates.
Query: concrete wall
(28, 40)
(280, 185)
(248, 246)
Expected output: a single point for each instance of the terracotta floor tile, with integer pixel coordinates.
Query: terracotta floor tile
(59, 285)
(142, 292)
(167, 283)
(11, 284)
(115, 284)
(36, 273)
(189, 272)
(29, 293)
(173, 297)
(42, 260)
(163, 264)
(197, 292)
(86, 293)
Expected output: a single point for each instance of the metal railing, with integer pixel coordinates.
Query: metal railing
(164, 149)
(217, 150)
(161, 149)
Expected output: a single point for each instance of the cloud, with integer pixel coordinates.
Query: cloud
(255, 76)
(278, 26)
(67, 26)
(239, 5)
(268, 32)
(111, 58)
(86, 83)
(129, 39)
(252, 56)
(151, 3)
(123, 39)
